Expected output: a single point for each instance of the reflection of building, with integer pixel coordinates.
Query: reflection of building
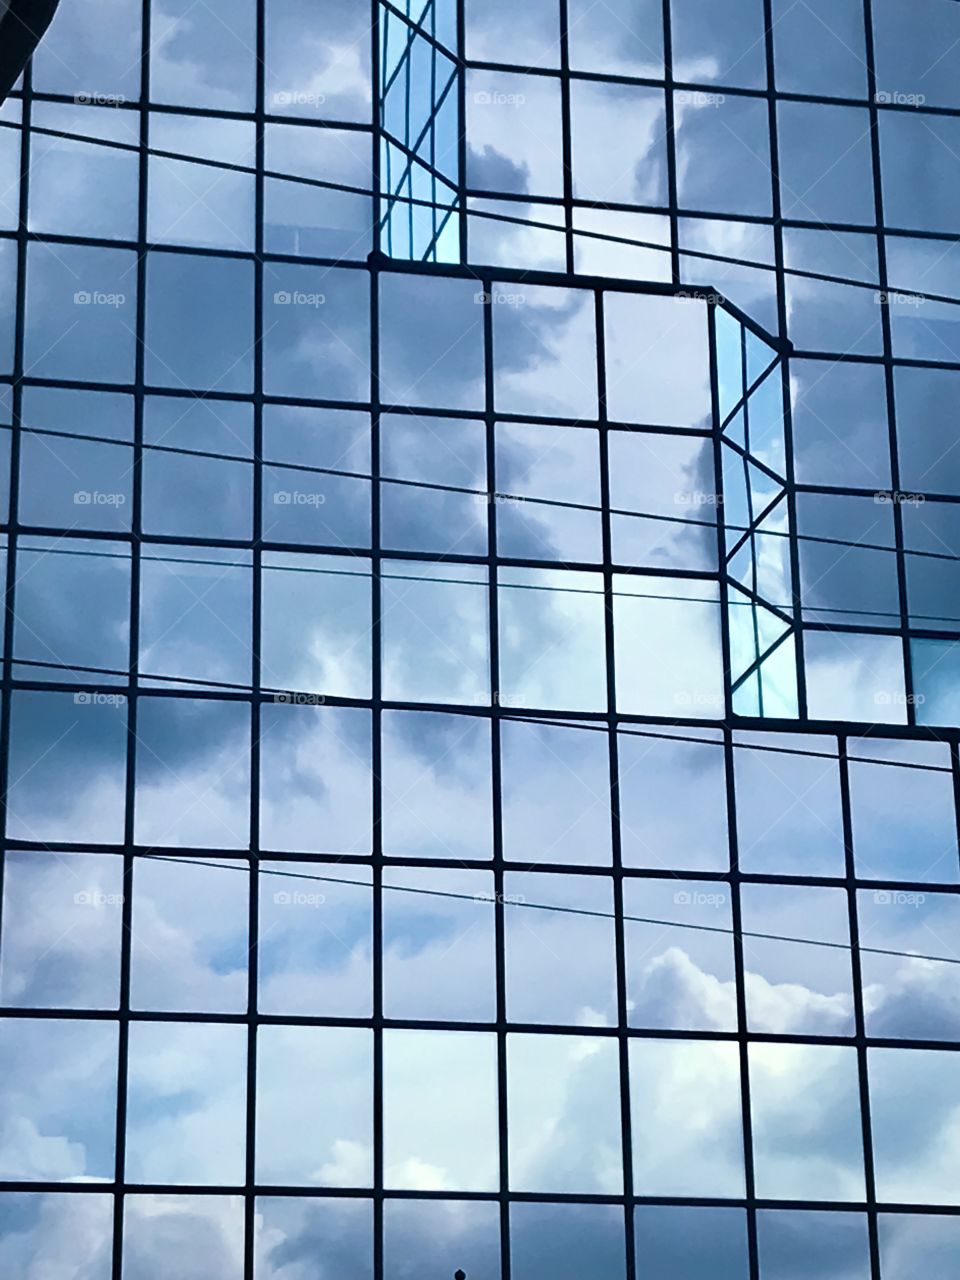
(481, 782)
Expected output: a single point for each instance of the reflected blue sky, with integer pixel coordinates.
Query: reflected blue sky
(394, 828)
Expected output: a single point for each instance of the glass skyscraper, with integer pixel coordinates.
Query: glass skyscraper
(575, 893)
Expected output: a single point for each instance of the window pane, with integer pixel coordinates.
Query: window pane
(315, 782)
(680, 973)
(316, 613)
(199, 325)
(796, 987)
(186, 1103)
(189, 936)
(565, 1241)
(435, 633)
(685, 1111)
(439, 363)
(200, 1235)
(555, 793)
(62, 916)
(673, 800)
(440, 1111)
(668, 646)
(675, 1241)
(913, 1100)
(910, 997)
(788, 805)
(193, 773)
(544, 344)
(836, 1244)
(318, 70)
(335, 1233)
(59, 1096)
(904, 816)
(315, 939)
(67, 767)
(41, 1231)
(314, 1106)
(561, 966)
(807, 1139)
(81, 313)
(423, 1237)
(437, 789)
(564, 1114)
(439, 959)
(552, 640)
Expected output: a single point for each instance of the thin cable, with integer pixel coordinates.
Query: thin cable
(623, 727)
(507, 586)
(563, 504)
(227, 865)
(530, 223)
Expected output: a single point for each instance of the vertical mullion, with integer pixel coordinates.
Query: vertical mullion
(376, 680)
(731, 793)
(887, 330)
(858, 1009)
(462, 127)
(567, 136)
(256, 706)
(718, 447)
(671, 137)
(779, 261)
(626, 1129)
(736, 880)
(20, 306)
(487, 294)
(132, 704)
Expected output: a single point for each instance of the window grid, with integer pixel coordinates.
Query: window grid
(615, 867)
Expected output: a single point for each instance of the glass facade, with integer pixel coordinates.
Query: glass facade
(481, 688)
